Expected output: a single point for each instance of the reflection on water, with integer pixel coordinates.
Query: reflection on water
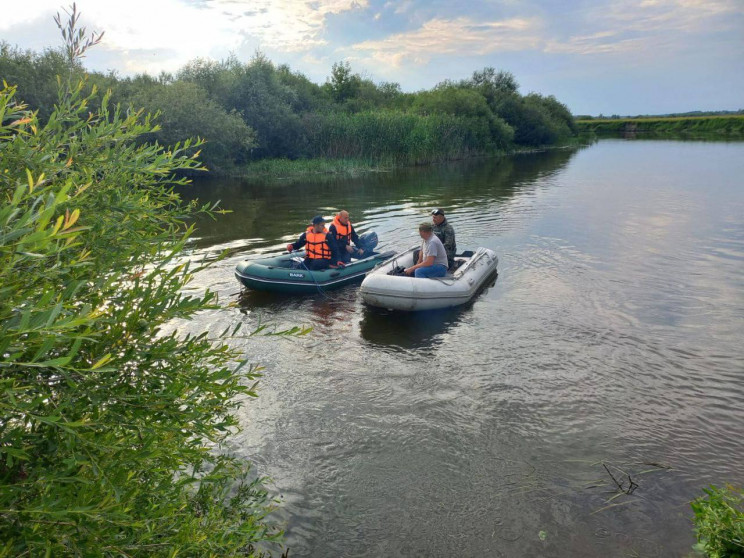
(250, 300)
(392, 203)
(612, 335)
(410, 330)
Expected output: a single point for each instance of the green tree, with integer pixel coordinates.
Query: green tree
(213, 77)
(265, 104)
(558, 112)
(497, 81)
(186, 111)
(493, 85)
(111, 422)
(487, 130)
(35, 75)
(308, 96)
(343, 83)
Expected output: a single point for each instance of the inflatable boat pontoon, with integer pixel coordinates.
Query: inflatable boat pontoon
(385, 287)
(286, 274)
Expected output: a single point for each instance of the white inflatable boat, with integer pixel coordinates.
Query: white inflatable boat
(385, 287)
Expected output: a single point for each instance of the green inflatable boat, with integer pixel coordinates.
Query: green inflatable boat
(286, 274)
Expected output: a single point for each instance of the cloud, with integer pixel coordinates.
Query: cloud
(461, 37)
(639, 26)
(668, 15)
(604, 42)
(30, 12)
(285, 25)
(618, 27)
(164, 34)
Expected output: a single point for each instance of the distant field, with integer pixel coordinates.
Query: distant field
(658, 118)
(717, 126)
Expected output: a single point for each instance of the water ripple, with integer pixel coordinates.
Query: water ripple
(613, 334)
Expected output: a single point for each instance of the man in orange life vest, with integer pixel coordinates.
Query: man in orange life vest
(344, 234)
(320, 247)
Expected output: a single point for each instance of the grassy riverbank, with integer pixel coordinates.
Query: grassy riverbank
(321, 168)
(284, 169)
(726, 126)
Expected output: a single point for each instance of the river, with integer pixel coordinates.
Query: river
(611, 337)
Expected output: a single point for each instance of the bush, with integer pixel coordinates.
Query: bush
(719, 522)
(258, 94)
(35, 75)
(186, 111)
(111, 425)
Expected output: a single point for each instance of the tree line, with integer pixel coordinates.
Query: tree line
(248, 111)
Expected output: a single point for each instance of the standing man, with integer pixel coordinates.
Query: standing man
(432, 260)
(344, 234)
(446, 234)
(320, 248)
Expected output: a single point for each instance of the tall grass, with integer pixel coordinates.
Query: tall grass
(731, 126)
(280, 169)
(398, 137)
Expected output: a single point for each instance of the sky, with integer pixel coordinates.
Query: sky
(623, 57)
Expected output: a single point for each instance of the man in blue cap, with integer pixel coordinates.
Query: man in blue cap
(320, 247)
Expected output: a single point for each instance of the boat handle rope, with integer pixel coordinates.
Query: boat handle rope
(317, 286)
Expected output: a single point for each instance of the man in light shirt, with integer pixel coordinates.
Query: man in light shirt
(432, 259)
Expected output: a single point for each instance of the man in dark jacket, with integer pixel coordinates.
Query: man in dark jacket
(344, 234)
(445, 233)
(320, 247)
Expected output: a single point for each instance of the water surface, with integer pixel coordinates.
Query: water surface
(612, 335)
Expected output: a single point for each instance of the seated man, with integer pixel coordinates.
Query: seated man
(344, 234)
(320, 248)
(432, 259)
(446, 234)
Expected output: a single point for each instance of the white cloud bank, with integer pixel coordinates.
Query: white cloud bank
(462, 36)
(155, 35)
(621, 26)
(151, 35)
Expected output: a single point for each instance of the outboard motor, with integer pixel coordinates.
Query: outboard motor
(367, 242)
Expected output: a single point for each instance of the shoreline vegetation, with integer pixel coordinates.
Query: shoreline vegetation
(321, 168)
(714, 126)
(259, 119)
(264, 121)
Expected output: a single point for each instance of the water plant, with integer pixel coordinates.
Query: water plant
(719, 522)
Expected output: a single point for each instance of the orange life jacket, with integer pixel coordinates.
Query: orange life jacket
(343, 232)
(316, 247)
